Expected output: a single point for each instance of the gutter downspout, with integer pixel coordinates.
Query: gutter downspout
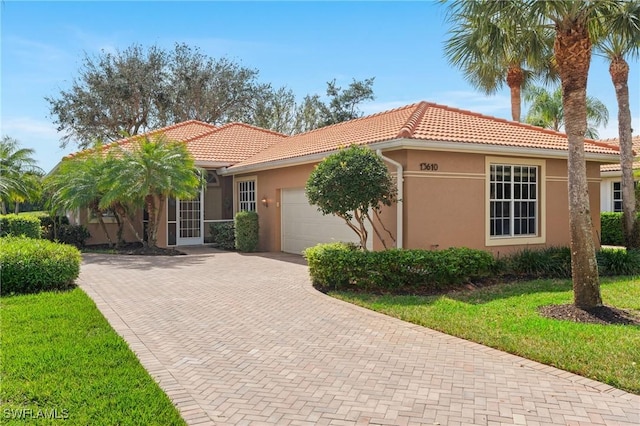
(399, 204)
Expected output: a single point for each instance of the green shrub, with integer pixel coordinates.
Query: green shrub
(223, 234)
(51, 224)
(32, 265)
(340, 266)
(76, 235)
(550, 262)
(611, 229)
(246, 231)
(16, 225)
(618, 262)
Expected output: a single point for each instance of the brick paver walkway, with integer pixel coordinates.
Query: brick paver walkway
(238, 340)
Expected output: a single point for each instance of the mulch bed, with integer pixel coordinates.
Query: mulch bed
(599, 315)
(135, 249)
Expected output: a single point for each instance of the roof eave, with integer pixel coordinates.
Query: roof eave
(406, 143)
(213, 164)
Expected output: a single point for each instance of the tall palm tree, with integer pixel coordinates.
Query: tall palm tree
(15, 164)
(578, 25)
(151, 171)
(615, 47)
(496, 45)
(546, 111)
(77, 184)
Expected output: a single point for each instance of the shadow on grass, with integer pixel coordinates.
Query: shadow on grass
(471, 294)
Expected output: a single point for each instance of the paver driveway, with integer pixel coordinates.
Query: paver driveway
(238, 339)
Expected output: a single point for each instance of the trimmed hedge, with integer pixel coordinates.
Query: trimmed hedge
(223, 234)
(342, 267)
(32, 265)
(611, 229)
(246, 231)
(16, 225)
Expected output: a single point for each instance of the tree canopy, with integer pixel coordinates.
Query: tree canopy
(497, 45)
(129, 92)
(349, 184)
(19, 173)
(546, 111)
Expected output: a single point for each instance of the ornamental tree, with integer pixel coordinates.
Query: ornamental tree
(353, 184)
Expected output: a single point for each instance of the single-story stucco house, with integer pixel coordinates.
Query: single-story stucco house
(610, 187)
(464, 179)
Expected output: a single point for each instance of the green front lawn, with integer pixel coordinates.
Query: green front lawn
(62, 360)
(505, 317)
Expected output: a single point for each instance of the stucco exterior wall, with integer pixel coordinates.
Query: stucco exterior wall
(445, 201)
(97, 234)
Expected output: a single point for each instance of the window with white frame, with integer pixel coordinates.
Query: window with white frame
(513, 200)
(247, 195)
(617, 196)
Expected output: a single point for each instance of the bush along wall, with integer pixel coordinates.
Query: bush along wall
(339, 266)
(223, 234)
(611, 228)
(246, 231)
(16, 225)
(32, 265)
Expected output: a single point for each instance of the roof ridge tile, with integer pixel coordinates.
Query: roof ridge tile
(410, 126)
(358, 119)
(250, 126)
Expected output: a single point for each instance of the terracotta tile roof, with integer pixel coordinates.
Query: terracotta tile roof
(616, 142)
(424, 121)
(617, 168)
(180, 131)
(227, 144)
(232, 143)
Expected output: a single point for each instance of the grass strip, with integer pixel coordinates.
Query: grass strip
(61, 360)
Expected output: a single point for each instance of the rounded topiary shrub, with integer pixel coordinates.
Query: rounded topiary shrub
(16, 225)
(246, 231)
(32, 265)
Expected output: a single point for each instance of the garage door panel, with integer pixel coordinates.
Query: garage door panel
(304, 226)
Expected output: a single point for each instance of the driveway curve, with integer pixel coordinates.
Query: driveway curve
(245, 339)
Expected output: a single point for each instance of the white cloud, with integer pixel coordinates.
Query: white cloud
(611, 131)
(38, 135)
(374, 107)
(33, 51)
(29, 126)
(498, 106)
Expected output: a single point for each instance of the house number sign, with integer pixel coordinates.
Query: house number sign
(431, 167)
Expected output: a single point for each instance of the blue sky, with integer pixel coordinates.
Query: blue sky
(298, 44)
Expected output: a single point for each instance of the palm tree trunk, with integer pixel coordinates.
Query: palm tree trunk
(16, 209)
(121, 211)
(98, 214)
(515, 78)
(152, 230)
(573, 55)
(619, 70)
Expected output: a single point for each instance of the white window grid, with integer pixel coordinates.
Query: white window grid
(247, 195)
(513, 202)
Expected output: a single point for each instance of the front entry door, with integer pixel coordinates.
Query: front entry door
(189, 221)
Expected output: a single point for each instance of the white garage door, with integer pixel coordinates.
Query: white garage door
(304, 226)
